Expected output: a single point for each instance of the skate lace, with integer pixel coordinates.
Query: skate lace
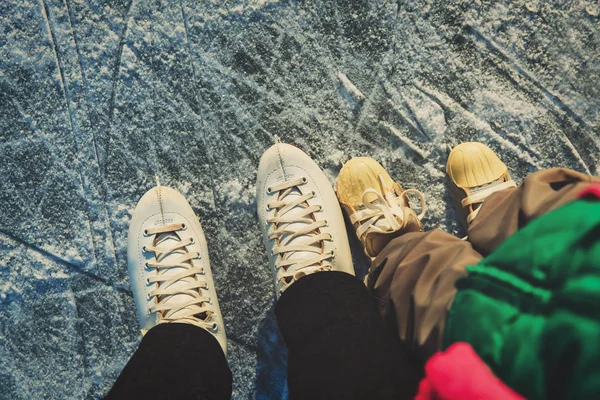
(483, 193)
(386, 213)
(178, 291)
(299, 241)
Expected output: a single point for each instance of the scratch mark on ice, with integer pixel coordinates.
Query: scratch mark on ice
(209, 159)
(554, 99)
(407, 142)
(73, 266)
(115, 74)
(252, 6)
(46, 13)
(448, 104)
(83, 77)
(350, 87)
(411, 119)
(590, 144)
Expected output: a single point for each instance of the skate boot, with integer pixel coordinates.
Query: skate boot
(300, 219)
(169, 267)
(376, 206)
(475, 172)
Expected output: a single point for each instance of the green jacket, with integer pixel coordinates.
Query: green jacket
(531, 309)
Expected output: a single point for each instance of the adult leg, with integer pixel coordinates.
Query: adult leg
(338, 345)
(175, 361)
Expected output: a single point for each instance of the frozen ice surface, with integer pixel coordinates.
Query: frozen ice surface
(97, 97)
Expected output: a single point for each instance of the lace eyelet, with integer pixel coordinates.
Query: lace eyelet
(191, 240)
(269, 191)
(146, 265)
(214, 327)
(183, 227)
(326, 223)
(147, 281)
(202, 272)
(268, 208)
(144, 249)
(145, 232)
(304, 180)
(313, 193)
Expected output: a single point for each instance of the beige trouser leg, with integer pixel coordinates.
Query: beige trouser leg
(413, 277)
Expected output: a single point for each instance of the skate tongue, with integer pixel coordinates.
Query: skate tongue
(167, 240)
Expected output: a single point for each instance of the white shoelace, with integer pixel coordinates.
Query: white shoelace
(382, 215)
(299, 245)
(480, 195)
(179, 291)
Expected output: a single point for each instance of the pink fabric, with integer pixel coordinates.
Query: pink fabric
(459, 374)
(590, 192)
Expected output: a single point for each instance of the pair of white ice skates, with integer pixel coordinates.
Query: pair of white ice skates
(302, 226)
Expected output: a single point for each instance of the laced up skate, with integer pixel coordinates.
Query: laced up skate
(169, 267)
(302, 224)
(376, 206)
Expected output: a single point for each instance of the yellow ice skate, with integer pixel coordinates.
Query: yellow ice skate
(377, 206)
(475, 172)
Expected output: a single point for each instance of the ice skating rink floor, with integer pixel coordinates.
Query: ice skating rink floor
(97, 97)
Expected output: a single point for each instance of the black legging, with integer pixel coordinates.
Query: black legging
(338, 349)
